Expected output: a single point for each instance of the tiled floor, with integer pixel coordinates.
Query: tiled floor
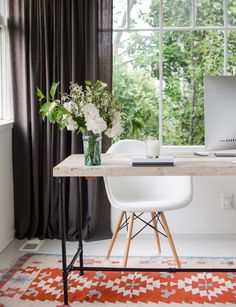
(187, 245)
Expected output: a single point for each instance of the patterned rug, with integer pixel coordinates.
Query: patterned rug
(35, 280)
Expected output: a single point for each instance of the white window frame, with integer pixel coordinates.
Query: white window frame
(6, 109)
(225, 28)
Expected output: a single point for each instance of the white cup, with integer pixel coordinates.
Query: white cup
(152, 148)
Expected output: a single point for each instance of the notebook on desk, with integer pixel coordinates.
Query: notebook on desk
(143, 161)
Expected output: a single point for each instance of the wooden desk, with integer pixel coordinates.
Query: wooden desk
(121, 165)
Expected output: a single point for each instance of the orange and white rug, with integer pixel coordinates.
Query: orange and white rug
(35, 281)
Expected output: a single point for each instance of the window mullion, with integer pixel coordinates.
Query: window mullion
(161, 72)
(193, 14)
(225, 35)
(2, 21)
(128, 14)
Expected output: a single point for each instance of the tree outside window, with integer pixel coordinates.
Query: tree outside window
(162, 50)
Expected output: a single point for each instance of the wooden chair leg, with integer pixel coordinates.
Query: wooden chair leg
(128, 239)
(114, 236)
(172, 246)
(154, 222)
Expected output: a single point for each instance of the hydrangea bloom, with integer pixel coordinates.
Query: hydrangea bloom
(90, 111)
(116, 128)
(94, 122)
(71, 125)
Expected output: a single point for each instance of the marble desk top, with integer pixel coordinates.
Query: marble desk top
(121, 165)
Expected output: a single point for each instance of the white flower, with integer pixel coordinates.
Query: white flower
(64, 117)
(68, 106)
(71, 124)
(103, 84)
(94, 121)
(116, 128)
(116, 118)
(71, 107)
(114, 131)
(97, 125)
(90, 111)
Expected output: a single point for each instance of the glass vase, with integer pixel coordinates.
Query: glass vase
(92, 144)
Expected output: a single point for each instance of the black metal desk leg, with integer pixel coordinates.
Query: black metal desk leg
(80, 227)
(63, 237)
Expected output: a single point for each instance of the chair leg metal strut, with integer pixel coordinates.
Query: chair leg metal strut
(79, 253)
(155, 218)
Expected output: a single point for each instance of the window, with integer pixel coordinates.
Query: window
(5, 101)
(162, 50)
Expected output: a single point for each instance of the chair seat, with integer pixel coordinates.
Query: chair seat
(137, 205)
(145, 194)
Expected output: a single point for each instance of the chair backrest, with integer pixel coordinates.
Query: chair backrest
(127, 146)
(143, 188)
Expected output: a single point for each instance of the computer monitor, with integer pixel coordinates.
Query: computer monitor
(220, 113)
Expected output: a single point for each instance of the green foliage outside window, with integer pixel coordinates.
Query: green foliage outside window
(137, 94)
(188, 56)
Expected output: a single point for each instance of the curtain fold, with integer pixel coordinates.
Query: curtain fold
(56, 40)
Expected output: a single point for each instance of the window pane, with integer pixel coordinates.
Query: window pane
(232, 12)
(2, 13)
(144, 14)
(188, 58)
(209, 13)
(135, 71)
(1, 76)
(119, 14)
(231, 68)
(177, 13)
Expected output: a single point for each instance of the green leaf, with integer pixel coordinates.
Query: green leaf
(62, 126)
(137, 124)
(54, 89)
(44, 109)
(59, 116)
(81, 122)
(40, 94)
(52, 116)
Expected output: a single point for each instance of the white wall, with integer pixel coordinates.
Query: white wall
(204, 214)
(6, 186)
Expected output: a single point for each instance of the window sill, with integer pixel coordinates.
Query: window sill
(178, 149)
(6, 125)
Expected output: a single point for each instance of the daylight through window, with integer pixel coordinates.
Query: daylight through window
(162, 50)
(5, 101)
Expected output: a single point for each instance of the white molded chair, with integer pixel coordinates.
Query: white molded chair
(145, 194)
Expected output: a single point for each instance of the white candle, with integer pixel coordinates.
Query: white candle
(152, 148)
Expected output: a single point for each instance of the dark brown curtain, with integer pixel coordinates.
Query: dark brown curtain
(55, 40)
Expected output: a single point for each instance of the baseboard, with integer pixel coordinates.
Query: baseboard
(202, 231)
(206, 236)
(208, 231)
(6, 241)
(189, 236)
